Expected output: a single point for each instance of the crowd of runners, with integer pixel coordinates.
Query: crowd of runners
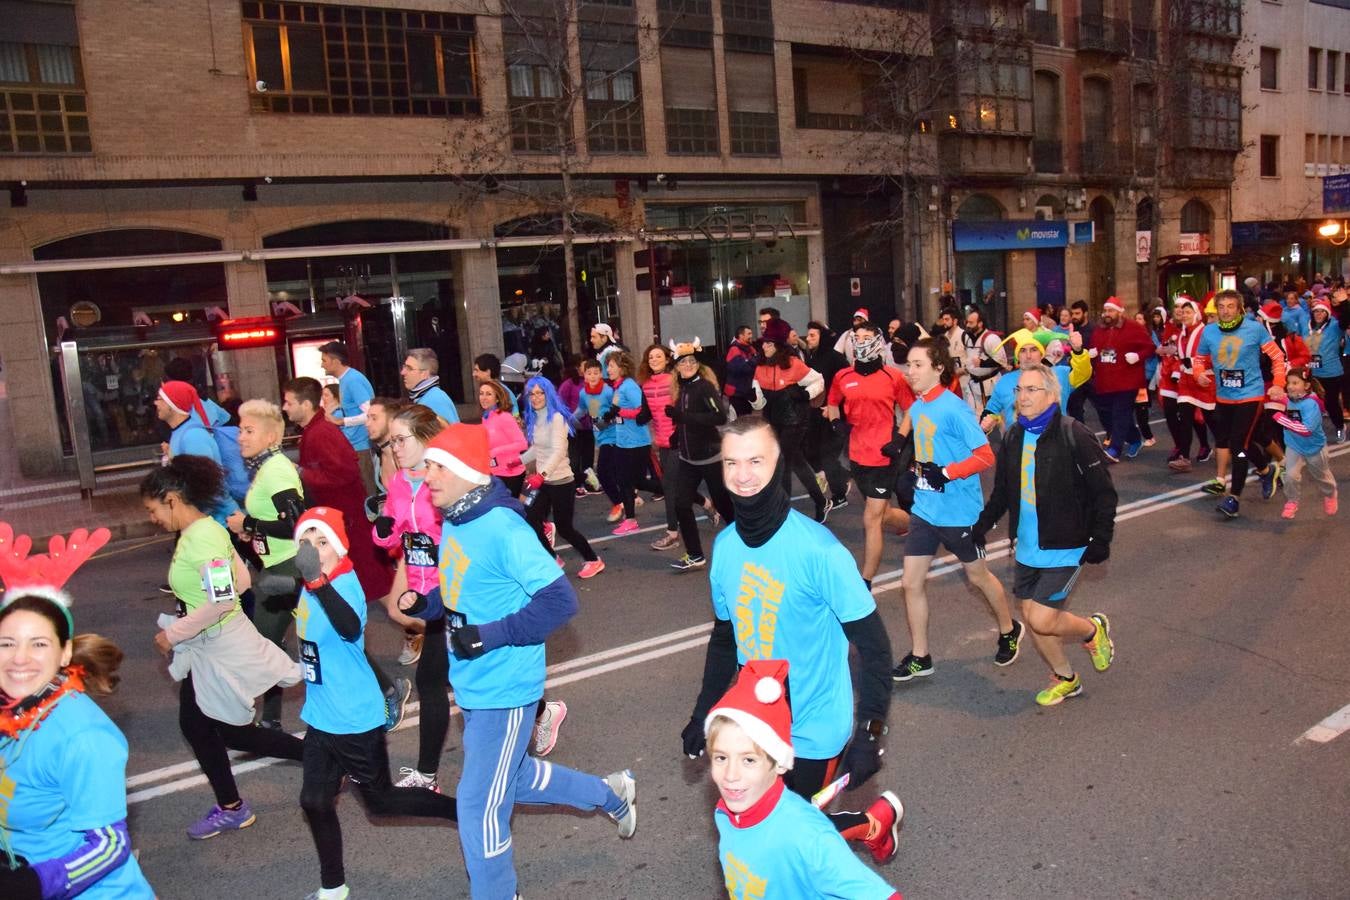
(462, 535)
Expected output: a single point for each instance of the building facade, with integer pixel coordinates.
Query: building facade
(406, 173)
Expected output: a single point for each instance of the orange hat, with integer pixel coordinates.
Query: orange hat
(464, 450)
(758, 703)
(329, 523)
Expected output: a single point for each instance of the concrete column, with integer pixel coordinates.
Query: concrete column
(28, 378)
(482, 303)
(255, 371)
(815, 271)
(635, 315)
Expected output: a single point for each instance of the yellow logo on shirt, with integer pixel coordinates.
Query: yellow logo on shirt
(925, 429)
(1029, 475)
(1229, 348)
(755, 637)
(302, 619)
(7, 787)
(742, 884)
(454, 563)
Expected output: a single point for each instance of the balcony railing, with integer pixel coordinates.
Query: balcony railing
(1047, 155)
(1101, 34)
(1105, 158)
(830, 121)
(1044, 27)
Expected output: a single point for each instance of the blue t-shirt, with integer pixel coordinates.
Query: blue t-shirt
(1235, 357)
(355, 390)
(490, 568)
(341, 693)
(794, 853)
(1001, 401)
(439, 402)
(629, 433)
(1308, 412)
(68, 777)
(945, 431)
(1296, 318)
(1029, 552)
(594, 405)
(1325, 345)
(785, 601)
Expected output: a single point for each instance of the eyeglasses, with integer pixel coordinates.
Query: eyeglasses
(398, 440)
(766, 320)
(1028, 390)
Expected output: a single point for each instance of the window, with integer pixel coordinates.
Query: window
(42, 101)
(1145, 113)
(1270, 153)
(345, 60)
(753, 104)
(1213, 113)
(1346, 86)
(691, 101)
(1196, 217)
(613, 98)
(1270, 69)
(995, 93)
(533, 92)
(1314, 69)
(1333, 70)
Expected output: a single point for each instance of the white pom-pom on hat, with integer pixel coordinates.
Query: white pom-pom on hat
(768, 690)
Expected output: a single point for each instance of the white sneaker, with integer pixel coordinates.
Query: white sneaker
(624, 785)
(547, 725)
(592, 481)
(412, 649)
(415, 779)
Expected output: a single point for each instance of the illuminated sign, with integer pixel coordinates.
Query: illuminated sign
(240, 334)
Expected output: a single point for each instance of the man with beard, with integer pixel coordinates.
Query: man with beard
(1118, 348)
(985, 359)
(793, 593)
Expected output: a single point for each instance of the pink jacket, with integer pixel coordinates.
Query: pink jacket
(413, 513)
(658, 392)
(506, 442)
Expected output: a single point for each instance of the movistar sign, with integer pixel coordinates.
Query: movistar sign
(1009, 235)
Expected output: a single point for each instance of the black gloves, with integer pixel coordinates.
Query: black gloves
(799, 394)
(1096, 552)
(673, 414)
(840, 427)
(466, 642)
(384, 526)
(693, 738)
(862, 760)
(979, 535)
(611, 414)
(412, 603)
(307, 561)
(896, 448)
(932, 473)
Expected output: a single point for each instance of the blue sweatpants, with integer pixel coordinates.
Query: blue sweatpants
(497, 775)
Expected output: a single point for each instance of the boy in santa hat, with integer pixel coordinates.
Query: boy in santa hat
(772, 843)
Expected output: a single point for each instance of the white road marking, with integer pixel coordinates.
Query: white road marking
(1330, 728)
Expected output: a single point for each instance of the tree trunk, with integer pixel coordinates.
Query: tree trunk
(573, 319)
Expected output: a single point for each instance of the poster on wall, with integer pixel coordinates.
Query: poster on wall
(305, 360)
(1143, 246)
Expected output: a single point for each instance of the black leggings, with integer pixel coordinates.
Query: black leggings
(1239, 431)
(210, 740)
(1333, 386)
(581, 452)
(687, 479)
(807, 776)
(792, 438)
(363, 757)
(1141, 412)
(433, 676)
(632, 470)
(1182, 422)
(561, 500)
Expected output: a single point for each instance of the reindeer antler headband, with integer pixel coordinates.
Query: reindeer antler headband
(45, 574)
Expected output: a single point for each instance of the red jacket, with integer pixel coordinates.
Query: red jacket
(1110, 371)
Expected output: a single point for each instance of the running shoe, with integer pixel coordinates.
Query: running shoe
(625, 787)
(1205, 454)
(1340, 436)
(547, 725)
(582, 492)
(1180, 464)
(1174, 455)
(1290, 510)
(668, 541)
(415, 779)
(1150, 442)
(687, 562)
(550, 533)
(396, 703)
(1100, 646)
(615, 513)
(1009, 645)
(337, 893)
(1214, 486)
(839, 502)
(270, 724)
(591, 569)
(1112, 454)
(219, 820)
(1229, 506)
(1132, 449)
(912, 667)
(1060, 690)
(1269, 479)
(1330, 505)
(412, 648)
(592, 481)
(627, 526)
(823, 510)
(638, 501)
(885, 814)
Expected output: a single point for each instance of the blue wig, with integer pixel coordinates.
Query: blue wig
(552, 404)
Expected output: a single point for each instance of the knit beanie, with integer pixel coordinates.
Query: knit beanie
(464, 450)
(777, 331)
(758, 703)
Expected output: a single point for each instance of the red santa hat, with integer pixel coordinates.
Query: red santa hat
(862, 313)
(329, 523)
(464, 450)
(182, 398)
(758, 703)
(1271, 311)
(1322, 305)
(1113, 303)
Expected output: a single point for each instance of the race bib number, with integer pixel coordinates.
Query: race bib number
(419, 550)
(1317, 361)
(260, 545)
(921, 483)
(110, 382)
(1232, 378)
(309, 662)
(1107, 356)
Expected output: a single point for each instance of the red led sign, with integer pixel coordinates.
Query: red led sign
(239, 334)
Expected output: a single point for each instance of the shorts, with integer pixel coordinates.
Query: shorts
(924, 539)
(1235, 424)
(874, 482)
(1048, 586)
(364, 757)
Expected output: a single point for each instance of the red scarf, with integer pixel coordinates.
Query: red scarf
(344, 565)
(17, 716)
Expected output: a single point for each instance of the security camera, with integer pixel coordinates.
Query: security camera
(261, 86)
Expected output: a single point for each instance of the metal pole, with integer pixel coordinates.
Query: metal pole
(76, 416)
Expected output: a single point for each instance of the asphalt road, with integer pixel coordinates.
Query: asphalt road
(1179, 773)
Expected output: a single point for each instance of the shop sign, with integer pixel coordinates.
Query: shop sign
(681, 293)
(1194, 243)
(1336, 193)
(782, 289)
(1280, 231)
(855, 286)
(1084, 232)
(1012, 234)
(1143, 246)
(240, 334)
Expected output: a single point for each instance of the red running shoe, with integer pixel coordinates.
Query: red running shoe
(887, 812)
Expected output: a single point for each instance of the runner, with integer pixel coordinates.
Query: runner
(504, 595)
(824, 444)
(632, 439)
(1306, 444)
(356, 393)
(504, 435)
(421, 378)
(1169, 374)
(64, 823)
(657, 378)
(740, 369)
(784, 387)
(1229, 356)
(1324, 342)
(793, 593)
(1118, 348)
(985, 360)
(1195, 400)
(1061, 505)
(867, 398)
(344, 708)
(697, 409)
(213, 649)
(950, 451)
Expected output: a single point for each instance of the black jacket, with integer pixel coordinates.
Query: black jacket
(827, 361)
(700, 409)
(1075, 499)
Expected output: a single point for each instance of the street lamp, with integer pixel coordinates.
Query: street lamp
(1335, 232)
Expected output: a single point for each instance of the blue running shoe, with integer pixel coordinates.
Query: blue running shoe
(1132, 449)
(1269, 479)
(1228, 506)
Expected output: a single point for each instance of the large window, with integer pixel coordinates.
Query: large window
(752, 104)
(313, 58)
(691, 100)
(534, 93)
(613, 96)
(1270, 69)
(1214, 114)
(995, 91)
(42, 102)
(1270, 155)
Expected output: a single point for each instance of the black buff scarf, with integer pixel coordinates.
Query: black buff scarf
(758, 518)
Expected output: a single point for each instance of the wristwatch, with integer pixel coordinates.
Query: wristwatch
(875, 728)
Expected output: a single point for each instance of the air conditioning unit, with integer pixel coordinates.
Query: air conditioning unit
(1045, 213)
